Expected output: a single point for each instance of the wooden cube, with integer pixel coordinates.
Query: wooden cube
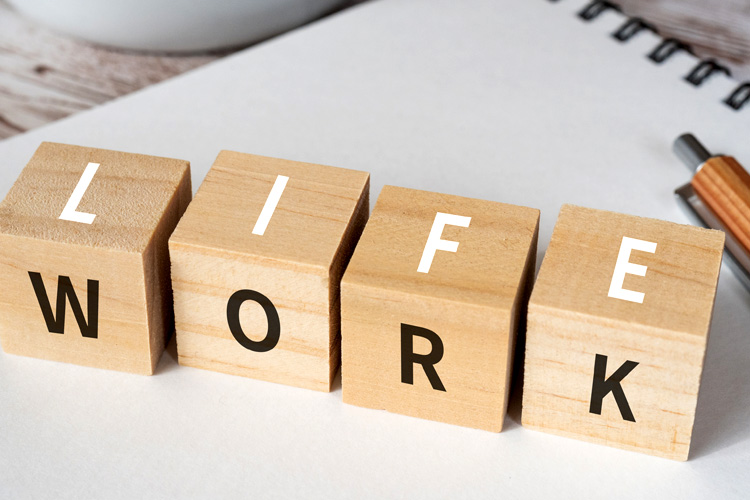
(431, 303)
(617, 330)
(84, 263)
(256, 266)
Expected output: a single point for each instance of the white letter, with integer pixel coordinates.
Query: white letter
(270, 206)
(69, 212)
(434, 242)
(623, 267)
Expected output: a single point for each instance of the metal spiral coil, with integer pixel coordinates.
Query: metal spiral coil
(669, 46)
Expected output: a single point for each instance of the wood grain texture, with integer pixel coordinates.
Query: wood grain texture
(724, 186)
(472, 300)
(137, 200)
(45, 76)
(572, 319)
(717, 29)
(297, 263)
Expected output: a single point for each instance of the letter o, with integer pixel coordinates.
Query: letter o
(272, 316)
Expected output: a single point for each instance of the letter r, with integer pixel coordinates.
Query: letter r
(428, 361)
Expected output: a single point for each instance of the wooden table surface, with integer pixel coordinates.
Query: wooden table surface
(714, 28)
(45, 76)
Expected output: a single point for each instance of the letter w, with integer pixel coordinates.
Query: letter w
(65, 289)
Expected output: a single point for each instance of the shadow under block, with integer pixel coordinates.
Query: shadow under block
(223, 272)
(467, 305)
(118, 312)
(617, 371)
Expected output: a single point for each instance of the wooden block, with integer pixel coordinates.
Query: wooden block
(256, 266)
(614, 356)
(427, 332)
(84, 263)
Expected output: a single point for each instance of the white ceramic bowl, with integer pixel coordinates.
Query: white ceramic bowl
(173, 25)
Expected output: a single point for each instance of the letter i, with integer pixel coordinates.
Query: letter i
(273, 199)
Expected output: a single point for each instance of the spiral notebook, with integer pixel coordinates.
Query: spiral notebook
(530, 102)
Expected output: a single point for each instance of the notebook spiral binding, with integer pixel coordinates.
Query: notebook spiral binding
(738, 98)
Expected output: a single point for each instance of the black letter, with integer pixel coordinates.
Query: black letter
(65, 289)
(601, 387)
(233, 318)
(428, 361)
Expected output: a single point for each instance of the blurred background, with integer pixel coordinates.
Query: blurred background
(59, 57)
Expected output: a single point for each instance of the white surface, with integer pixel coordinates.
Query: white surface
(515, 101)
(173, 25)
